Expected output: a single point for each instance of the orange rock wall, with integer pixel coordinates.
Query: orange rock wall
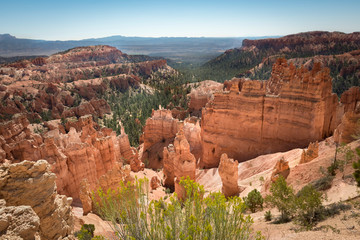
(291, 109)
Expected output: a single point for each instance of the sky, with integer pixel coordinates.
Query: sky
(81, 19)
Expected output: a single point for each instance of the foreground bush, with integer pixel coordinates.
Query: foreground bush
(254, 200)
(283, 198)
(308, 202)
(196, 217)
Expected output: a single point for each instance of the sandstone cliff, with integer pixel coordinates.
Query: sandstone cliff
(291, 109)
(32, 184)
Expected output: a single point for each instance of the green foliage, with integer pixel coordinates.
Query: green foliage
(323, 183)
(134, 106)
(254, 200)
(194, 217)
(282, 197)
(268, 216)
(86, 232)
(331, 170)
(356, 166)
(308, 201)
(46, 115)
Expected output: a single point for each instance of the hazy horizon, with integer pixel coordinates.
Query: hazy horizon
(68, 20)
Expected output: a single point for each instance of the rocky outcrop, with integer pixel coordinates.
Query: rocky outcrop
(349, 129)
(154, 182)
(18, 222)
(168, 166)
(33, 184)
(281, 168)
(85, 196)
(293, 108)
(178, 162)
(311, 153)
(192, 132)
(83, 152)
(16, 141)
(228, 171)
(201, 94)
(159, 132)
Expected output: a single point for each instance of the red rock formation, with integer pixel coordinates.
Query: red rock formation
(228, 171)
(82, 153)
(154, 182)
(192, 131)
(168, 166)
(281, 168)
(201, 94)
(178, 162)
(311, 153)
(349, 129)
(291, 109)
(159, 131)
(85, 196)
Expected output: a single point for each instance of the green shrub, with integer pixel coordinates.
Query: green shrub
(86, 232)
(331, 210)
(323, 183)
(194, 217)
(254, 200)
(282, 197)
(356, 166)
(308, 201)
(268, 216)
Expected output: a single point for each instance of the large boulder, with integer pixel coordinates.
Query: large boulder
(33, 184)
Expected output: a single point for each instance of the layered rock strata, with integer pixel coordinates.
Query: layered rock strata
(33, 184)
(291, 109)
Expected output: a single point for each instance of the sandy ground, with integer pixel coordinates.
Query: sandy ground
(345, 226)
